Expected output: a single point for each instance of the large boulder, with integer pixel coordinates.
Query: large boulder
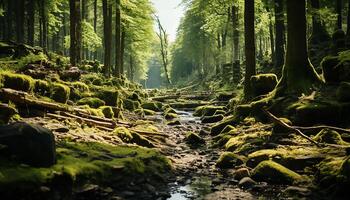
(263, 83)
(29, 144)
(229, 160)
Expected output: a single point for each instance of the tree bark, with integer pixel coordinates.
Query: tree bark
(122, 51)
(75, 32)
(279, 39)
(9, 20)
(298, 73)
(31, 22)
(118, 71)
(95, 24)
(107, 31)
(272, 40)
(249, 33)
(339, 12)
(20, 21)
(235, 32)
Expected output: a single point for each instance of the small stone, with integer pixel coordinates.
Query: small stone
(241, 173)
(300, 191)
(246, 183)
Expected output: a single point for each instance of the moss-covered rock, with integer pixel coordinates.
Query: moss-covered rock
(42, 87)
(154, 106)
(171, 116)
(224, 96)
(124, 134)
(17, 81)
(78, 90)
(59, 92)
(229, 160)
(275, 173)
(194, 139)
(107, 111)
(7, 111)
(212, 119)
(93, 102)
(217, 128)
(131, 104)
(109, 95)
(173, 123)
(263, 83)
(140, 140)
(342, 93)
(206, 110)
(330, 137)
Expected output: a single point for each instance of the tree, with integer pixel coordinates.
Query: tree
(279, 39)
(31, 22)
(235, 31)
(118, 71)
(319, 33)
(163, 38)
(75, 32)
(20, 4)
(107, 33)
(339, 12)
(298, 73)
(249, 36)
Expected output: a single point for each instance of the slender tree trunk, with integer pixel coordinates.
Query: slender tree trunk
(9, 20)
(235, 32)
(31, 22)
(64, 31)
(95, 24)
(107, 30)
(279, 40)
(272, 40)
(20, 4)
(249, 33)
(43, 24)
(75, 32)
(122, 51)
(2, 21)
(132, 71)
(118, 71)
(339, 12)
(298, 73)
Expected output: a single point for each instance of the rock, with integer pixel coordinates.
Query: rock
(72, 74)
(212, 119)
(243, 110)
(16, 81)
(246, 183)
(140, 140)
(170, 116)
(224, 96)
(241, 173)
(342, 93)
(107, 112)
(6, 112)
(30, 144)
(60, 92)
(206, 110)
(154, 106)
(194, 139)
(229, 160)
(297, 191)
(174, 123)
(217, 128)
(93, 102)
(131, 104)
(272, 172)
(42, 87)
(263, 83)
(278, 129)
(110, 96)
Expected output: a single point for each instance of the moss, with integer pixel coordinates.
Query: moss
(174, 123)
(154, 106)
(42, 87)
(93, 102)
(131, 104)
(135, 97)
(78, 90)
(243, 111)
(109, 95)
(107, 111)
(330, 137)
(255, 138)
(216, 129)
(149, 112)
(17, 81)
(170, 116)
(227, 129)
(123, 133)
(140, 140)
(275, 173)
(229, 160)
(84, 162)
(263, 83)
(224, 96)
(342, 93)
(212, 119)
(206, 110)
(169, 110)
(194, 139)
(60, 92)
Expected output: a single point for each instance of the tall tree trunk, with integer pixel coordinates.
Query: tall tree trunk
(339, 12)
(132, 71)
(279, 40)
(348, 20)
(95, 24)
(118, 71)
(298, 73)
(249, 34)
(19, 20)
(122, 50)
(31, 22)
(43, 24)
(235, 32)
(2, 21)
(107, 31)
(64, 31)
(9, 20)
(75, 32)
(319, 33)
(272, 41)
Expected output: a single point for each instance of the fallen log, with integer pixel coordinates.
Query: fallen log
(90, 121)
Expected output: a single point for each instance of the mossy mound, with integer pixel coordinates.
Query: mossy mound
(154, 106)
(78, 90)
(212, 119)
(60, 92)
(194, 139)
(224, 96)
(206, 110)
(238, 142)
(336, 68)
(17, 81)
(79, 164)
(124, 134)
(217, 128)
(131, 104)
(263, 83)
(109, 95)
(330, 137)
(42, 87)
(342, 93)
(275, 173)
(229, 160)
(93, 102)
(140, 140)
(92, 111)
(170, 116)
(173, 123)
(107, 111)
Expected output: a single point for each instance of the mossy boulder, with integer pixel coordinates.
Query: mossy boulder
(342, 93)
(224, 96)
(175, 122)
(263, 83)
(206, 110)
(217, 128)
(131, 104)
(59, 92)
(272, 172)
(42, 87)
(107, 111)
(93, 102)
(155, 106)
(17, 81)
(229, 160)
(212, 119)
(124, 134)
(194, 139)
(330, 137)
(29, 144)
(140, 140)
(109, 96)
(78, 90)
(170, 116)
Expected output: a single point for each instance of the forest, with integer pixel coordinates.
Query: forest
(251, 100)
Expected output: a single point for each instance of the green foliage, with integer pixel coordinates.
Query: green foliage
(32, 58)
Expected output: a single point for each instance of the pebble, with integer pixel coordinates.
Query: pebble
(246, 183)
